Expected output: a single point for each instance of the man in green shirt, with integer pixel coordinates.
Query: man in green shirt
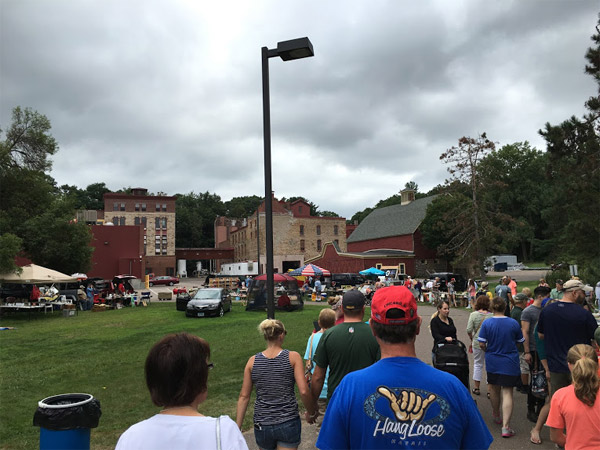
(346, 347)
(557, 292)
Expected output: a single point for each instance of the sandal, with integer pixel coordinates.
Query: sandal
(476, 391)
(534, 437)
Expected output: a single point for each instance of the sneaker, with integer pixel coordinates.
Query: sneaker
(507, 432)
(497, 419)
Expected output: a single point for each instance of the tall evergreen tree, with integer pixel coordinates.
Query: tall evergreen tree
(574, 168)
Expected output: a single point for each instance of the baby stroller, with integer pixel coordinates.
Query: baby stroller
(452, 357)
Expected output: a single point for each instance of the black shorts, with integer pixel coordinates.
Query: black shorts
(500, 379)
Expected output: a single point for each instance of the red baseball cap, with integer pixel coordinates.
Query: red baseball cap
(394, 305)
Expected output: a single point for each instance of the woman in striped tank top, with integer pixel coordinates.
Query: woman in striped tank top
(274, 372)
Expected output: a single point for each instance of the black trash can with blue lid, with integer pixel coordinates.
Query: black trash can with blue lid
(65, 421)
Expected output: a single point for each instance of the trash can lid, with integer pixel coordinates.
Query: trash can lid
(62, 401)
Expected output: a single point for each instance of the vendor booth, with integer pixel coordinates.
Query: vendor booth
(286, 293)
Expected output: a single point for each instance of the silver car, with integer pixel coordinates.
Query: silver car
(209, 302)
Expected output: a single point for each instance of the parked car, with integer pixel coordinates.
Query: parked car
(164, 280)
(209, 302)
(459, 285)
(15, 290)
(347, 279)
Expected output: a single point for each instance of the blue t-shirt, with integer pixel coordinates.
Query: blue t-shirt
(316, 337)
(564, 325)
(502, 291)
(401, 403)
(501, 333)
(317, 286)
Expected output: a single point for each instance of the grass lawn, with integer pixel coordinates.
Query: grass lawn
(103, 353)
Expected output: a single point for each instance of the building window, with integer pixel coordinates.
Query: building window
(318, 230)
(137, 206)
(301, 230)
(318, 245)
(115, 206)
(136, 221)
(143, 207)
(335, 230)
(337, 242)
(157, 245)
(164, 245)
(115, 220)
(158, 206)
(164, 207)
(163, 221)
(122, 221)
(301, 245)
(401, 268)
(144, 222)
(122, 206)
(300, 209)
(157, 223)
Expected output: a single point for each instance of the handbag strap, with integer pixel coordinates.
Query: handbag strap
(219, 433)
(310, 351)
(478, 326)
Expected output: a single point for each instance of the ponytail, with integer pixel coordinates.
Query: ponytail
(584, 372)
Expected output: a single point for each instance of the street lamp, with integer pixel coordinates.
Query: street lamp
(286, 50)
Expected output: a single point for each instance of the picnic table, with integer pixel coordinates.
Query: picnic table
(26, 307)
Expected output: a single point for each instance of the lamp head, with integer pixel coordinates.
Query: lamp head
(295, 49)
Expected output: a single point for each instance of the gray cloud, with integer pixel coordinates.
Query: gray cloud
(167, 94)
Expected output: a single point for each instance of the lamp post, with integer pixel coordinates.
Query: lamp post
(286, 50)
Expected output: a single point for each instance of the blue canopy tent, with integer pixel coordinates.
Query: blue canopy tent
(372, 271)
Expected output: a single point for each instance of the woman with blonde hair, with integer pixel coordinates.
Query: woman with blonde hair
(274, 371)
(576, 408)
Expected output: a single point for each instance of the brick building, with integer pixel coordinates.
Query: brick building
(297, 235)
(387, 238)
(155, 216)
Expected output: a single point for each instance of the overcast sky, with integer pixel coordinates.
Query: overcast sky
(167, 94)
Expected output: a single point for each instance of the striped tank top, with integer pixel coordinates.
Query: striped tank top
(275, 396)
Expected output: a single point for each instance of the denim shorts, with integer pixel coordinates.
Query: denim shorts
(286, 434)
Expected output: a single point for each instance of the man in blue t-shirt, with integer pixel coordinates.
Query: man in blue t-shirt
(503, 291)
(401, 402)
(561, 325)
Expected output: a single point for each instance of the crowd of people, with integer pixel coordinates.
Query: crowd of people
(364, 386)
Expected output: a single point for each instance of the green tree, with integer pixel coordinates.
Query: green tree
(514, 183)
(196, 214)
(27, 142)
(359, 216)
(574, 168)
(53, 239)
(464, 159)
(32, 208)
(10, 245)
(241, 207)
(328, 214)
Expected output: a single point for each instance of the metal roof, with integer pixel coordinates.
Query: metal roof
(395, 220)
